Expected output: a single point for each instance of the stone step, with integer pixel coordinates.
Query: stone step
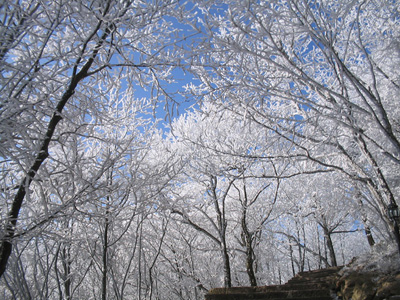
(307, 298)
(261, 297)
(311, 285)
(305, 286)
(321, 282)
(288, 294)
(303, 279)
(319, 273)
(299, 298)
(311, 280)
(271, 288)
(317, 277)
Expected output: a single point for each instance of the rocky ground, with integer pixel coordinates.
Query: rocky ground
(375, 276)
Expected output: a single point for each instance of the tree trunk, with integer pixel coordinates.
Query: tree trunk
(41, 156)
(222, 224)
(395, 231)
(247, 240)
(227, 265)
(370, 238)
(367, 229)
(12, 217)
(291, 258)
(43, 153)
(66, 263)
(104, 259)
(329, 245)
(250, 266)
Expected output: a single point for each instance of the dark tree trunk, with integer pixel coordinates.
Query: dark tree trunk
(367, 229)
(329, 245)
(66, 263)
(41, 156)
(105, 261)
(227, 267)
(370, 238)
(250, 266)
(247, 240)
(12, 216)
(292, 259)
(395, 231)
(222, 225)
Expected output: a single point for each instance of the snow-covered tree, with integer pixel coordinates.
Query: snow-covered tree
(320, 75)
(63, 66)
(288, 159)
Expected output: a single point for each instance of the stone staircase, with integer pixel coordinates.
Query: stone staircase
(317, 285)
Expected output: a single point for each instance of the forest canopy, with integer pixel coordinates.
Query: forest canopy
(278, 149)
